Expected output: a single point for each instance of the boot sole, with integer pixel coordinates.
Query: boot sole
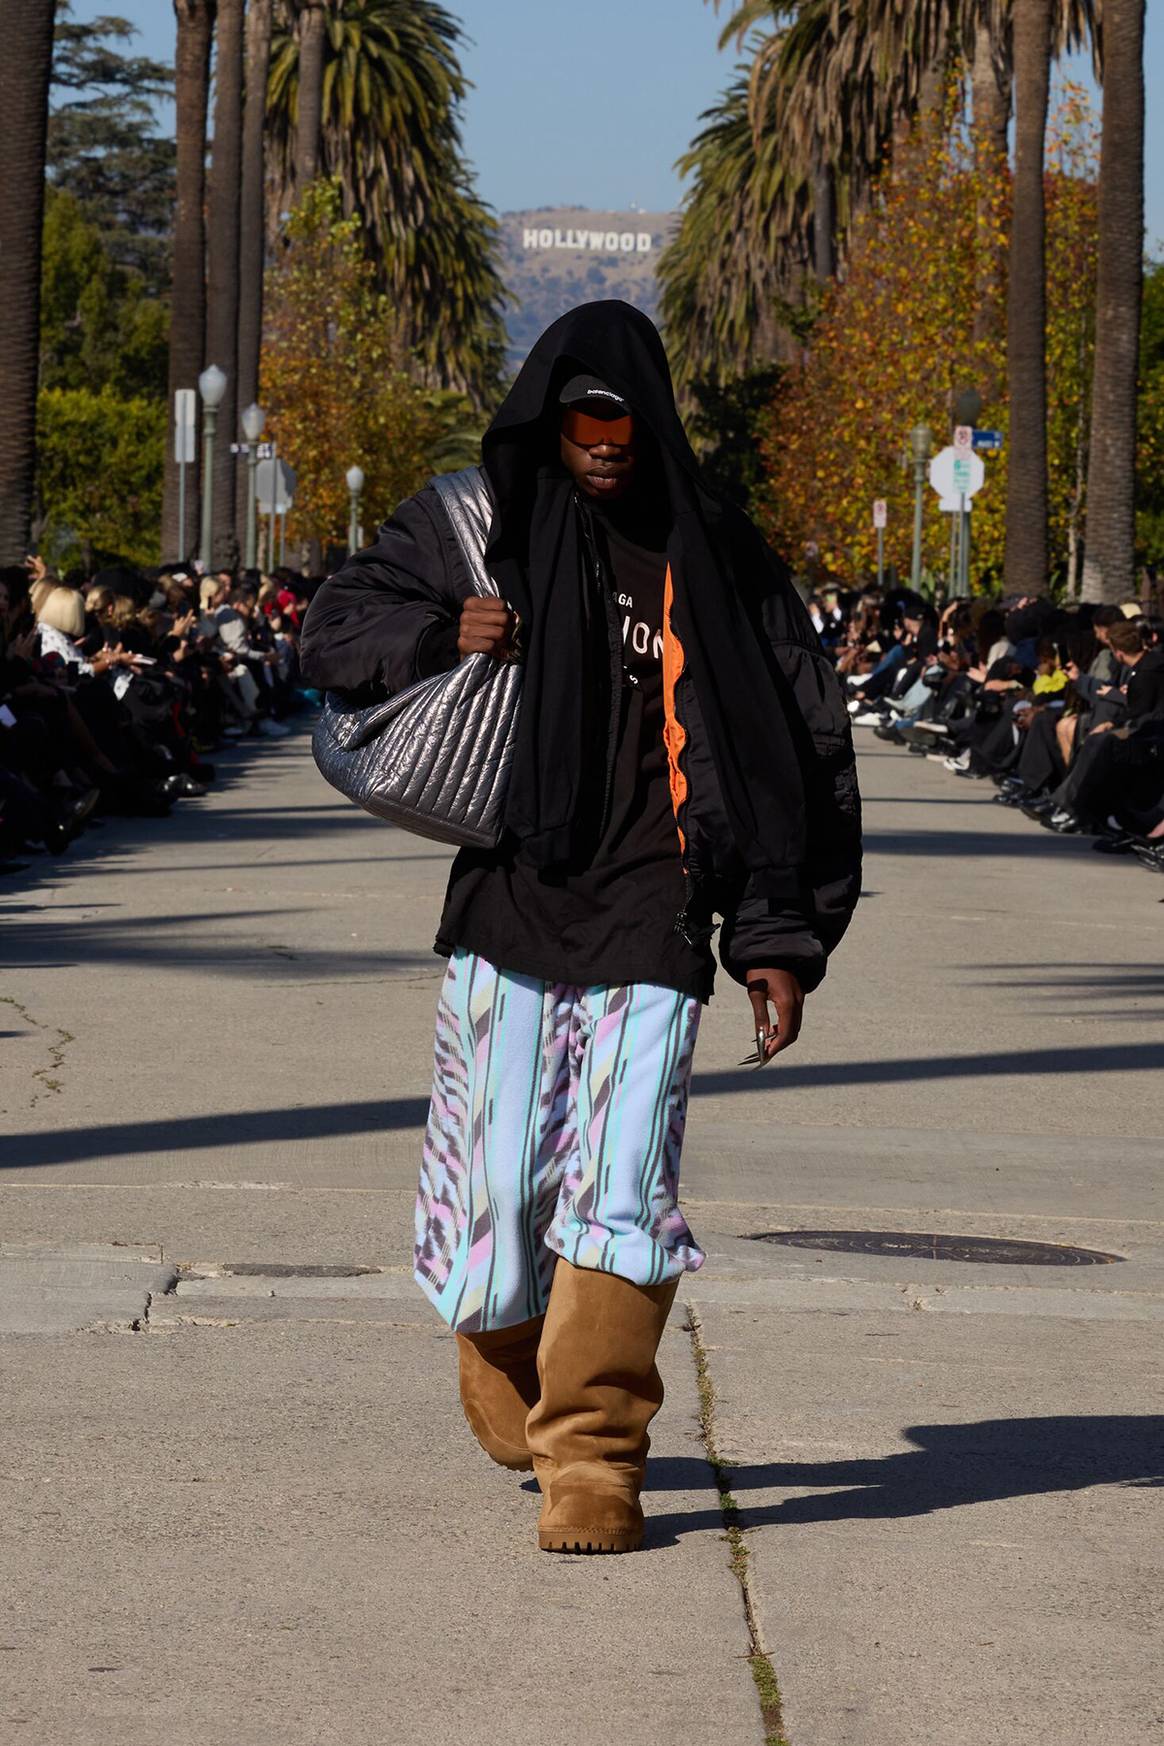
(518, 1464)
(588, 1543)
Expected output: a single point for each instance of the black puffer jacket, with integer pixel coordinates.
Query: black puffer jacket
(387, 618)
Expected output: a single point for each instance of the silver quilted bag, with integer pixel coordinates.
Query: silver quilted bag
(434, 759)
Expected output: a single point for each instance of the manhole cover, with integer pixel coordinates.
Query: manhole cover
(1006, 1251)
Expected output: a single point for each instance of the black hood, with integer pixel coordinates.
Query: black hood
(722, 574)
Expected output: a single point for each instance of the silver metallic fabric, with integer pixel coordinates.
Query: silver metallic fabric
(434, 759)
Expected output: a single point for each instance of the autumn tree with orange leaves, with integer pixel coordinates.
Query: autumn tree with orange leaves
(335, 377)
(896, 340)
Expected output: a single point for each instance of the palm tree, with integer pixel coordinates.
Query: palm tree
(312, 28)
(251, 208)
(1108, 565)
(1026, 368)
(730, 275)
(222, 252)
(990, 81)
(389, 130)
(26, 30)
(195, 20)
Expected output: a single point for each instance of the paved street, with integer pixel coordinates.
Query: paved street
(239, 1504)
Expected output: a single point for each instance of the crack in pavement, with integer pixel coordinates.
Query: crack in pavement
(758, 1659)
(46, 1074)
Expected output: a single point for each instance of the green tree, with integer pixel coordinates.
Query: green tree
(390, 93)
(100, 327)
(99, 476)
(726, 425)
(103, 147)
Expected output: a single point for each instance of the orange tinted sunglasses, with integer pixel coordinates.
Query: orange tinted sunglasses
(589, 432)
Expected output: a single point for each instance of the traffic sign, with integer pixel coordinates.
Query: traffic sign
(880, 512)
(956, 474)
(963, 438)
(275, 484)
(988, 442)
(185, 402)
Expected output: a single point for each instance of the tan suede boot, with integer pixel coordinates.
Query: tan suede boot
(600, 1390)
(499, 1385)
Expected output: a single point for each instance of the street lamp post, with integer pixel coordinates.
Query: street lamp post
(920, 442)
(355, 480)
(253, 422)
(212, 387)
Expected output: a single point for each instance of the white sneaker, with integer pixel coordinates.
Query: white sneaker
(961, 762)
(274, 730)
(931, 727)
(868, 718)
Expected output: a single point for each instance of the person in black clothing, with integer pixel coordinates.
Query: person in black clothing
(1117, 770)
(682, 754)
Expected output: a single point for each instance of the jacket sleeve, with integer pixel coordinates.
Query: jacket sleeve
(779, 935)
(793, 921)
(388, 616)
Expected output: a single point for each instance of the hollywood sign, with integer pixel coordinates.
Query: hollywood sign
(606, 242)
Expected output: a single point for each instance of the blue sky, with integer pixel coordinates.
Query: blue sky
(590, 104)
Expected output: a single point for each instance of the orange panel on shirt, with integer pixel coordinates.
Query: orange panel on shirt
(674, 735)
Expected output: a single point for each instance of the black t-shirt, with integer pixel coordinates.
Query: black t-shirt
(614, 921)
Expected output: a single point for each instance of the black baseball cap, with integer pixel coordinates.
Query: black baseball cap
(580, 388)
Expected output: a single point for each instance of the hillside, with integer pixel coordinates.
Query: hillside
(554, 257)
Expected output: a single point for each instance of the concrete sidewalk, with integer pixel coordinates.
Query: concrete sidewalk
(240, 1504)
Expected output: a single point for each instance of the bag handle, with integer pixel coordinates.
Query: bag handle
(466, 501)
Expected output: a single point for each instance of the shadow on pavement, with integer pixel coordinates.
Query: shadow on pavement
(204, 1133)
(323, 1121)
(202, 941)
(1103, 1058)
(1010, 845)
(952, 1465)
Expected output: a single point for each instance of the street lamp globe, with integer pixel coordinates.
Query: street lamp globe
(212, 386)
(355, 479)
(254, 421)
(921, 441)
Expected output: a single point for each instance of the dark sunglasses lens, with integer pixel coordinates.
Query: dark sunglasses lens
(589, 432)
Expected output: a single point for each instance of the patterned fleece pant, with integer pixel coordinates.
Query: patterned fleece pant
(555, 1129)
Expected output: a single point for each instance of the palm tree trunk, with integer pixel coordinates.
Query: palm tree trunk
(195, 20)
(1026, 484)
(312, 26)
(26, 31)
(990, 82)
(222, 239)
(251, 220)
(1109, 555)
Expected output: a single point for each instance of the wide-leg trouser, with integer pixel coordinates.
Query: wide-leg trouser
(555, 1128)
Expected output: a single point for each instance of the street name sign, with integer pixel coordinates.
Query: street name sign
(988, 442)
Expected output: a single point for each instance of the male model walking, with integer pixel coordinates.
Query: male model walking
(683, 755)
